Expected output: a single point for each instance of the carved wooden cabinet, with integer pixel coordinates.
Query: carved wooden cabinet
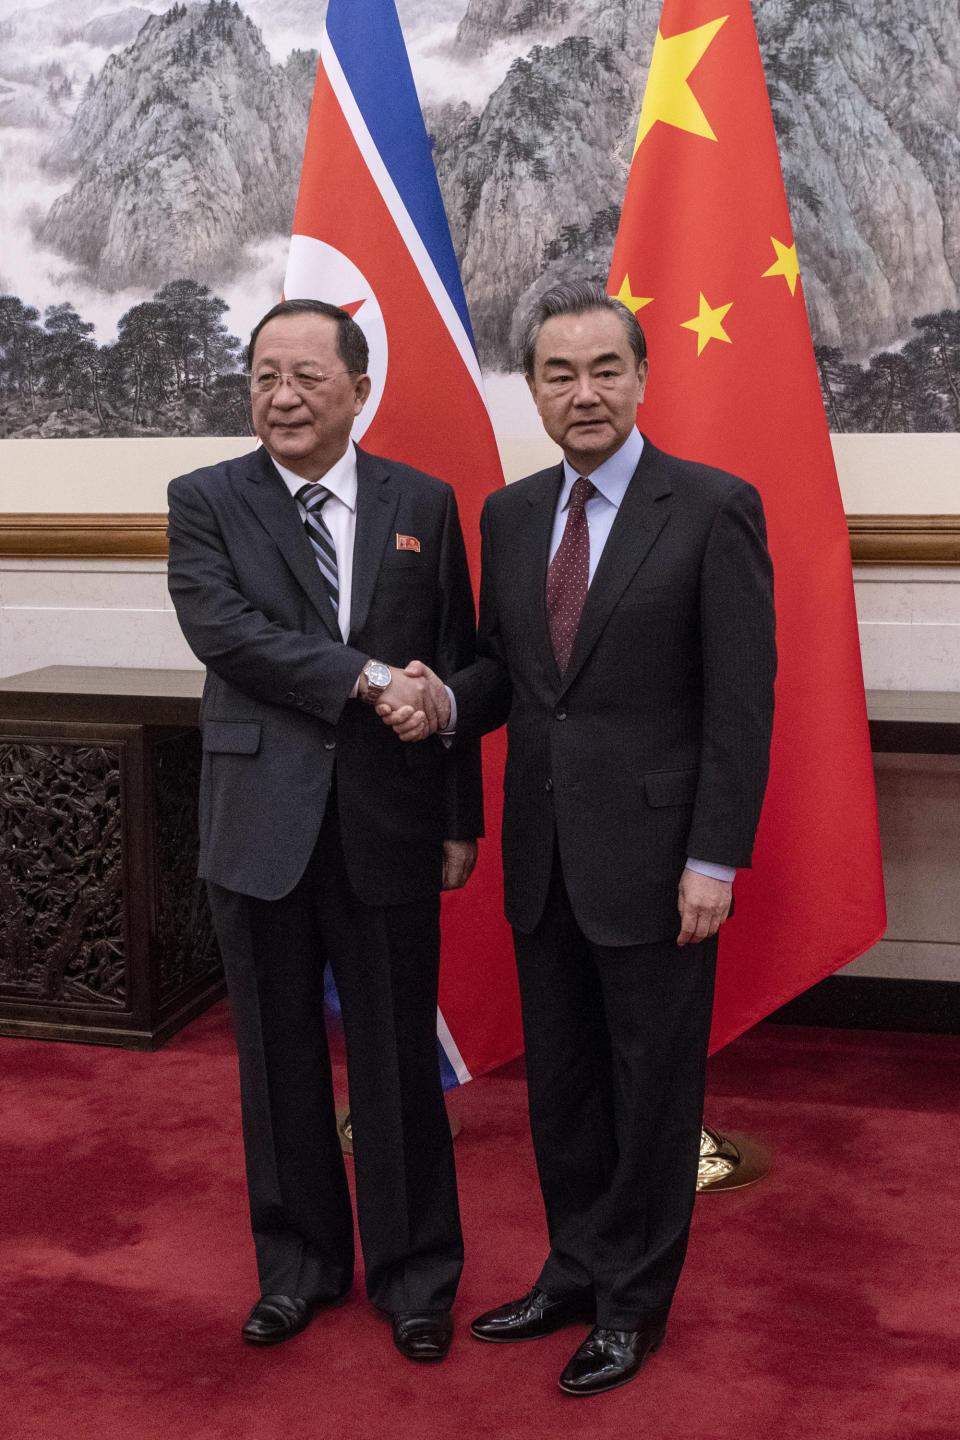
(105, 935)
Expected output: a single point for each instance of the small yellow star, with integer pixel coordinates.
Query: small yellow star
(633, 302)
(785, 264)
(668, 96)
(708, 324)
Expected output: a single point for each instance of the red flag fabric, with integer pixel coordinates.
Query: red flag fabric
(370, 235)
(705, 257)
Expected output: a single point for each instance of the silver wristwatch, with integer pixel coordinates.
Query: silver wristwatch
(378, 678)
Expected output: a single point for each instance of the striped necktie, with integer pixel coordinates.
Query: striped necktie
(313, 498)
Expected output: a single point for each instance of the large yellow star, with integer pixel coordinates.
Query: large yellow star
(668, 96)
(785, 264)
(708, 324)
(633, 302)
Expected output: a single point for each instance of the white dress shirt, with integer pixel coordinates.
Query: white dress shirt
(340, 518)
(610, 481)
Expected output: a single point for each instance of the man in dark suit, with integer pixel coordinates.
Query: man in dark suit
(324, 840)
(626, 635)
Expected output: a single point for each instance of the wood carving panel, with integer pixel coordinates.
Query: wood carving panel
(61, 874)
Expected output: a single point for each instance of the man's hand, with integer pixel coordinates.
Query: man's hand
(459, 858)
(411, 718)
(415, 703)
(704, 904)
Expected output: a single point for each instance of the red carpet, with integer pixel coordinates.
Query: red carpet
(820, 1303)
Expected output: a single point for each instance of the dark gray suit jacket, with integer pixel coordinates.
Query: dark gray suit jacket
(252, 605)
(654, 745)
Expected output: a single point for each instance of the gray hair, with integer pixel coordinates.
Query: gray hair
(577, 297)
(351, 341)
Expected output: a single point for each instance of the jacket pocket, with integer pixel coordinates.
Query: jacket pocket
(231, 737)
(671, 787)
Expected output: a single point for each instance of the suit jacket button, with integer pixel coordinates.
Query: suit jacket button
(559, 713)
(330, 744)
(549, 786)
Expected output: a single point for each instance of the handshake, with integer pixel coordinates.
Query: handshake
(415, 704)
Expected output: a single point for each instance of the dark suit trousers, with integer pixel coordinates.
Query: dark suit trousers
(616, 1042)
(385, 963)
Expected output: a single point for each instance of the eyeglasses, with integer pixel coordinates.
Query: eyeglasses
(263, 382)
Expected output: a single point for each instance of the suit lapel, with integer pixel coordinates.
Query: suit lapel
(378, 495)
(277, 512)
(530, 556)
(643, 512)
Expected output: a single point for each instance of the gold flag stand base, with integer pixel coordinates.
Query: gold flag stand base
(728, 1162)
(345, 1129)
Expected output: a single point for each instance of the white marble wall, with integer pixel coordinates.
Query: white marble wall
(119, 613)
(909, 626)
(910, 640)
(918, 801)
(100, 612)
(88, 612)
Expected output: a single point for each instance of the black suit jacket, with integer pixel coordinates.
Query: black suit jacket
(654, 745)
(275, 713)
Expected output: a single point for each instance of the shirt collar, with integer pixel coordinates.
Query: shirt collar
(340, 479)
(613, 476)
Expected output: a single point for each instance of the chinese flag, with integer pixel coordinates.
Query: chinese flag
(705, 257)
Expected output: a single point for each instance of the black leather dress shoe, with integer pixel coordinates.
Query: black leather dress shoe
(533, 1315)
(423, 1334)
(277, 1317)
(608, 1358)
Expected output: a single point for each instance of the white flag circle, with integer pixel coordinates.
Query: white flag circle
(316, 271)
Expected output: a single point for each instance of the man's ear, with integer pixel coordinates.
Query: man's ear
(532, 387)
(643, 370)
(361, 391)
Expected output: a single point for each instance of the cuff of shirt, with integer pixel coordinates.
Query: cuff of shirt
(450, 729)
(715, 872)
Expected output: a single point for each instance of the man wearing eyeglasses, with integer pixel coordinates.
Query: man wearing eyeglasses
(305, 576)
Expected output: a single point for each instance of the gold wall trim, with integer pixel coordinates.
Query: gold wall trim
(874, 539)
(83, 537)
(904, 539)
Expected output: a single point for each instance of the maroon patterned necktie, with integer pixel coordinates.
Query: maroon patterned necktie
(569, 574)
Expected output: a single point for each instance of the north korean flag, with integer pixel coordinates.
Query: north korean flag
(371, 235)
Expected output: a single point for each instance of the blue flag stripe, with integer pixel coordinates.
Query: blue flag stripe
(369, 45)
(447, 1073)
(449, 1077)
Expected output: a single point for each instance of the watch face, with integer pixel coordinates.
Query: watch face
(377, 674)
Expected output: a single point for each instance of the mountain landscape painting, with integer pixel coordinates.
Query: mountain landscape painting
(150, 156)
